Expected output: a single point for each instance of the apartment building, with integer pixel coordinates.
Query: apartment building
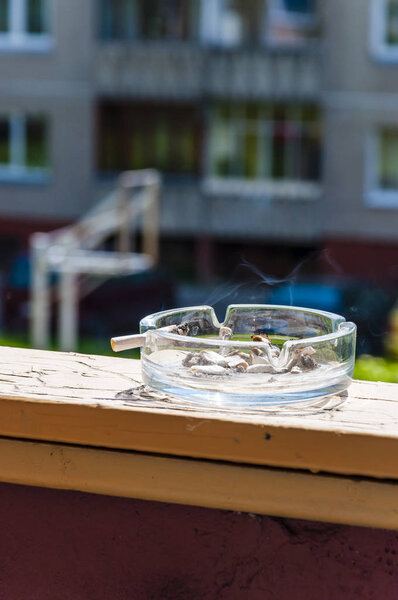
(274, 122)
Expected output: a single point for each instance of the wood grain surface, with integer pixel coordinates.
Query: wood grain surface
(100, 401)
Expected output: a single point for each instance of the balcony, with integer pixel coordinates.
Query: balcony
(149, 70)
(184, 70)
(261, 211)
(251, 212)
(261, 73)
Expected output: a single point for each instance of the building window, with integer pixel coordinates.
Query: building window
(168, 19)
(24, 24)
(35, 17)
(292, 21)
(230, 23)
(388, 160)
(384, 29)
(277, 142)
(137, 136)
(226, 23)
(23, 146)
(382, 168)
(118, 19)
(148, 19)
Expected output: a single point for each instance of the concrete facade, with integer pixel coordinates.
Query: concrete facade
(54, 82)
(360, 95)
(355, 91)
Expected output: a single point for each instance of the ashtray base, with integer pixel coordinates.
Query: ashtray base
(264, 399)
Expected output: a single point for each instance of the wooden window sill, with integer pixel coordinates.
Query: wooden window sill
(64, 423)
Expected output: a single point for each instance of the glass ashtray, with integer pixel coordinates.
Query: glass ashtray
(260, 354)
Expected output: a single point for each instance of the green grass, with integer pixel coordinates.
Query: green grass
(92, 346)
(375, 368)
(85, 346)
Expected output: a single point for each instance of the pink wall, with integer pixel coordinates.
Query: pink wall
(57, 545)
(372, 261)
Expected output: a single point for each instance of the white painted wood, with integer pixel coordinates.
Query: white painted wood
(370, 406)
(100, 401)
(40, 293)
(71, 252)
(68, 311)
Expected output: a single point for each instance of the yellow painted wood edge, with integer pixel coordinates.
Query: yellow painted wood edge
(208, 484)
(348, 453)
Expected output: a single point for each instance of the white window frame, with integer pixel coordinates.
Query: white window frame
(17, 38)
(374, 196)
(380, 50)
(17, 170)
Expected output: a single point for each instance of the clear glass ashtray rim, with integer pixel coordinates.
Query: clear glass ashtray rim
(342, 327)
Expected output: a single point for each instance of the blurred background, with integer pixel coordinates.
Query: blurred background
(273, 125)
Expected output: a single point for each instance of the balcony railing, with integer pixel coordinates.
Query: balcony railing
(186, 70)
(251, 73)
(245, 209)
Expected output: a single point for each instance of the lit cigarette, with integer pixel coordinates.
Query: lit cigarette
(128, 342)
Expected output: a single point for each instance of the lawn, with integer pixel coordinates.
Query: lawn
(375, 368)
(85, 346)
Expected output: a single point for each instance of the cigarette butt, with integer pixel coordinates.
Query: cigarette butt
(258, 368)
(208, 370)
(261, 338)
(225, 333)
(127, 342)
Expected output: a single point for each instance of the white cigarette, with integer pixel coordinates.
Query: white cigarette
(128, 342)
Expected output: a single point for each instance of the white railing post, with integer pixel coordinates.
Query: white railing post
(150, 224)
(70, 252)
(40, 292)
(68, 308)
(123, 209)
